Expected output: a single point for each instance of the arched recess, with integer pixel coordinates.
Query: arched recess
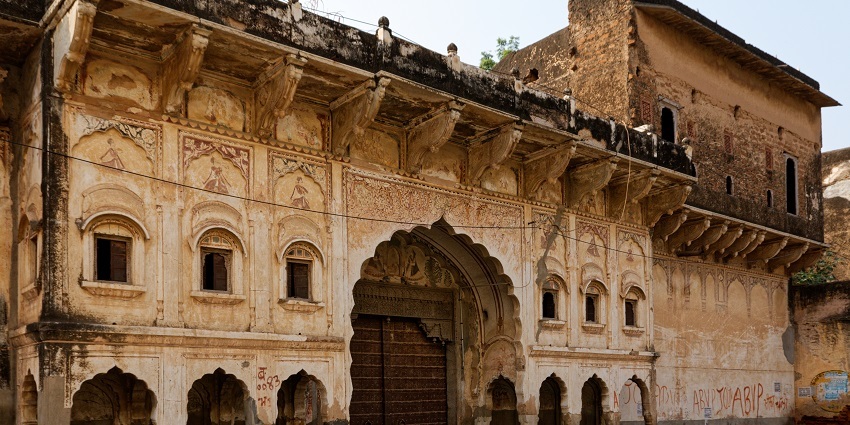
(635, 402)
(594, 401)
(552, 399)
(502, 402)
(220, 398)
(29, 401)
(113, 397)
(301, 400)
(463, 305)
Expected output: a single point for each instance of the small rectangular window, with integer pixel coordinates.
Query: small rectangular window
(33, 259)
(298, 280)
(590, 309)
(215, 270)
(630, 312)
(111, 260)
(549, 305)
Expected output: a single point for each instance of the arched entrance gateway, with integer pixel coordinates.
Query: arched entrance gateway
(435, 323)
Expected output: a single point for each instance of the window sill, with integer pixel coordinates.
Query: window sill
(224, 298)
(301, 306)
(593, 328)
(633, 331)
(552, 324)
(114, 290)
(31, 291)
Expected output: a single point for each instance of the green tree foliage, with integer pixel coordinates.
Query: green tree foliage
(821, 272)
(503, 47)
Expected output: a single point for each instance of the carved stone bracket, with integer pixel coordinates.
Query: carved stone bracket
(689, 232)
(767, 250)
(752, 245)
(630, 192)
(182, 67)
(431, 135)
(725, 241)
(276, 92)
(787, 256)
(806, 260)
(665, 203)
(670, 224)
(710, 236)
(491, 154)
(547, 167)
(353, 112)
(71, 42)
(589, 179)
(739, 244)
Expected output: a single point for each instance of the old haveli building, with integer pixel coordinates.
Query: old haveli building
(231, 211)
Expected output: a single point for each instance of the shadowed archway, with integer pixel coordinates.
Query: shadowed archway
(112, 398)
(219, 398)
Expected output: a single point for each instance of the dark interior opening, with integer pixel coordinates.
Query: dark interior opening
(668, 125)
(111, 258)
(630, 313)
(590, 308)
(298, 280)
(791, 186)
(215, 271)
(548, 305)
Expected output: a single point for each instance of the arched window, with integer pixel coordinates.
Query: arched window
(592, 304)
(791, 185)
(549, 310)
(633, 308)
(729, 185)
(218, 251)
(668, 125)
(299, 271)
(113, 255)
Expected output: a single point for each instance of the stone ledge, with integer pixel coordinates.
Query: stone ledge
(552, 324)
(209, 297)
(114, 290)
(633, 331)
(301, 306)
(593, 328)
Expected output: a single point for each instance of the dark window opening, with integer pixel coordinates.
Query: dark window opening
(729, 185)
(590, 309)
(791, 186)
(630, 312)
(33, 258)
(549, 305)
(668, 125)
(215, 271)
(298, 280)
(111, 260)
(770, 199)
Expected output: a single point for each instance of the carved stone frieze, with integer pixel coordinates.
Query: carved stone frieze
(547, 167)
(147, 136)
(491, 154)
(71, 42)
(181, 68)
(432, 134)
(353, 112)
(276, 92)
(589, 179)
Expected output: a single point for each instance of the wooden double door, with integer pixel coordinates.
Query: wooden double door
(398, 374)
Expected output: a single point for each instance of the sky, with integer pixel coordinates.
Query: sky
(813, 36)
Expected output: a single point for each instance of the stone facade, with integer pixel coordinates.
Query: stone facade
(242, 212)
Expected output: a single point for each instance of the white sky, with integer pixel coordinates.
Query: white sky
(813, 36)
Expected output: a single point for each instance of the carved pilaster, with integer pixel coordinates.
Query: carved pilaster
(71, 42)
(431, 135)
(665, 203)
(589, 179)
(630, 192)
(547, 167)
(353, 112)
(182, 67)
(689, 232)
(787, 256)
(493, 153)
(670, 224)
(275, 93)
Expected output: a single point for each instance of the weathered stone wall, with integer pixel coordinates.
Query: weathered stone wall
(836, 208)
(723, 337)
(739, 126)
(822, 344)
